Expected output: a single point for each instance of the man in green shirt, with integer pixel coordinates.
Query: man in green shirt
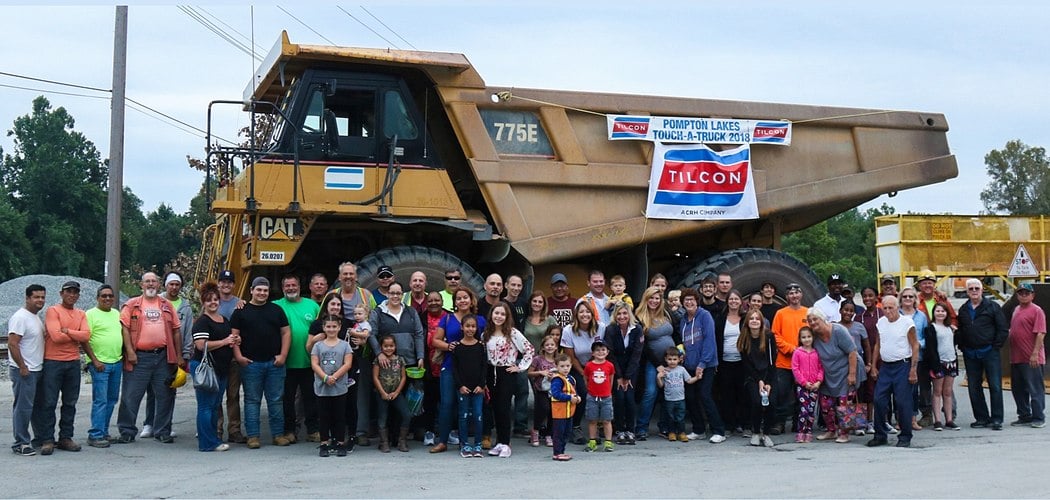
(105, 349)
(298, 373)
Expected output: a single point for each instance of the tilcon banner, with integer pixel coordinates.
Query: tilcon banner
(698, 130)
(694, 182)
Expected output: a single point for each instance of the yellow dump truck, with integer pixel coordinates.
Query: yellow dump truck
(408, 159)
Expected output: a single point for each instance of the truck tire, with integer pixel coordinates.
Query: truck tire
(406, 260)
(749, 267)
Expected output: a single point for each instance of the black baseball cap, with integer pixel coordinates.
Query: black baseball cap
(835, 277)
(71, 285)
(598, 342)
(385, 271)
(226, 275)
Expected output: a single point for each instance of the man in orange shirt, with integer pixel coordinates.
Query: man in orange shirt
(66, 328)
(152, 349)
(788, 320)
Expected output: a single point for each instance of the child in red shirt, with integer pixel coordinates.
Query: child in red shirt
(600, 374)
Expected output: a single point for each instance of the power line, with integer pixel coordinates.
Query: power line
(74, 94)
(54, 92)
(388, 27)
(392, 44)
(231, 28)
(193, 14)
(306, 25)
(53, 82)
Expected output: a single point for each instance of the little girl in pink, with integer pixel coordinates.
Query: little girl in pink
(805, 365)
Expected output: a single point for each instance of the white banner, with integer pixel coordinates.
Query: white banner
(698, 130)
(694, 182)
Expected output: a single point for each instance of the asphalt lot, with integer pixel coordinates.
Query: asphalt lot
(967, 463)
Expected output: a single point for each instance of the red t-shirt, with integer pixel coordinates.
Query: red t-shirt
(1026, 323)
(599, 378)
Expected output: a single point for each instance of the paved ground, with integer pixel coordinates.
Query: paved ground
(967, 463)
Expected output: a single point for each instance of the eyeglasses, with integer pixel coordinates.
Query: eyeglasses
(396, 293)
(974, 288)
(907, 296)
(452, 278)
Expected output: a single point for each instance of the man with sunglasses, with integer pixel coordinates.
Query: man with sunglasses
(105, 350)
(982, 332)
(453, 278)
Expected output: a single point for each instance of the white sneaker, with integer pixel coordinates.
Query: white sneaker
(172, 433)
(756, 440)
(222, 447)
(504, 452)
(767, 441)
(891, 429)
(453, 438)
(428, 439)
(717, 438)
(497, 450)
(694, 436)
(870, 429)
(147, 431)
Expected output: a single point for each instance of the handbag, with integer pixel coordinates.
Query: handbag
(204, 377)
(852, 415)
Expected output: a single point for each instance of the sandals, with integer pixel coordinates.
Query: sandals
(562, 458)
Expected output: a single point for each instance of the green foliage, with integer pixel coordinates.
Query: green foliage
(1020, 180)
(844, 245)
(54, 207)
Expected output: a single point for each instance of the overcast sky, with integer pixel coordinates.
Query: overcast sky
(984, 65)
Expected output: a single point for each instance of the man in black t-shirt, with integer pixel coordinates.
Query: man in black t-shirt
(265, 338)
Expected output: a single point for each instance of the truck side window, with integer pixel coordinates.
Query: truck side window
(396, 120)
(312, 122)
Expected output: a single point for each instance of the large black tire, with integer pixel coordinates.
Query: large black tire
(749, 267)
(406, 260)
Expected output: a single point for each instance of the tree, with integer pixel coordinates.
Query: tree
(843, 245)
(57, 180)
(1020, 180)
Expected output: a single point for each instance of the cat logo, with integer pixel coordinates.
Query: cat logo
(280, 228)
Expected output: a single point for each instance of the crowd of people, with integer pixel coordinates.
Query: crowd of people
(344, 366)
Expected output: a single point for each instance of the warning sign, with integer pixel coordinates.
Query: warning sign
(1022, 266)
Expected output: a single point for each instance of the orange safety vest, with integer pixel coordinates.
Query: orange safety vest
(563, 409)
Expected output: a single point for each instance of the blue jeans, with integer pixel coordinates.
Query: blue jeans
(470, 414)
(208, 407)
(58, 377)
(1029, 391)
(24, 393)
(985, 367)
(624, 408)
(105, 392)
(675, 411)
(893, 378)
(261, 378)
(649, 397)
(152, 370)
(446, 406)
(699, 400)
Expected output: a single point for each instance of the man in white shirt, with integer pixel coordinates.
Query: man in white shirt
(898, 349)
(596, 297)
(25, 357)
(832, 301)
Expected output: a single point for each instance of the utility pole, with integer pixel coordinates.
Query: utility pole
(116, 148)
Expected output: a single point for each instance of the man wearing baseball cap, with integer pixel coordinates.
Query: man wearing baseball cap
(1027, 357)
(889, 285)
(228, 302)
(385, 277)
(832, 301)
(788, 320)
(560, 304)
(930, 296)
(66, 328)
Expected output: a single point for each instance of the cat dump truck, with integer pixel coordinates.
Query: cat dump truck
(409, 159)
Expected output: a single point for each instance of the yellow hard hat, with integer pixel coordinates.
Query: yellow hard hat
(180, 378)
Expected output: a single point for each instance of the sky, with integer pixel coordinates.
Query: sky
(984, 65)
